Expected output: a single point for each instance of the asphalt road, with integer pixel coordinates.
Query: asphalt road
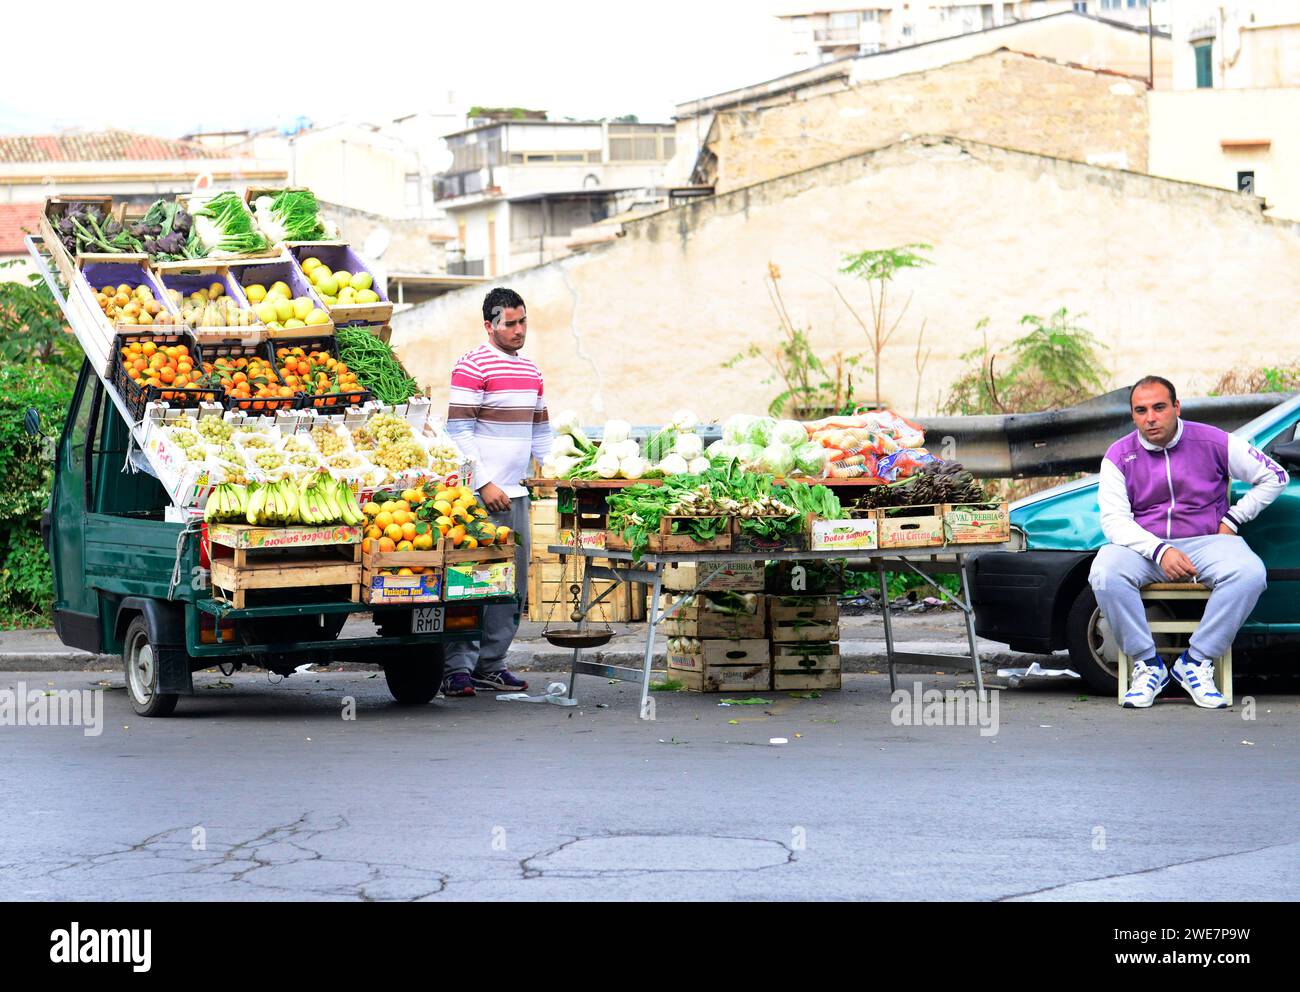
(255, 791)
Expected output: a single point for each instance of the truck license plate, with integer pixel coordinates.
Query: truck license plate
(427, 620)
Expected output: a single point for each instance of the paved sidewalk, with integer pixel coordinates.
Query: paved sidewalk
(862, 646)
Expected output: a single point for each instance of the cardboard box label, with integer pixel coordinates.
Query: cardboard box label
(257, 538)
(833, 535)
(590, 539)
(425, 588)
(964, 525)
(474, 580)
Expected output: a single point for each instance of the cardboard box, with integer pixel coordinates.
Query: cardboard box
(969, 523)
(719, 576)
(475, 580)
(401, 589)
(836, 535)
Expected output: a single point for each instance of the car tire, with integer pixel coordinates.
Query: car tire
(1093, 651)
(413, 680)
(140, 663)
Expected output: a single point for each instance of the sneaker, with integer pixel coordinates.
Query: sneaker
(1197, 677)
(503, 681)
(1149, 677)
(457, 684)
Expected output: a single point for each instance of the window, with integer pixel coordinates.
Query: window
(1204, 67)
(641, 143)
(1081, 6)
(413, 191)
(1246, 182)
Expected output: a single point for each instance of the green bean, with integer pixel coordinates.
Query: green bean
(376, 366)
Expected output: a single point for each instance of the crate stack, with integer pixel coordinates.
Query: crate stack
(803, 624)
(729, 651)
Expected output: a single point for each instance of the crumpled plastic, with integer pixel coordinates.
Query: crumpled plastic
(556, 692)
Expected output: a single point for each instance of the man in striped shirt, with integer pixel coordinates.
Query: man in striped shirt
(498, 417)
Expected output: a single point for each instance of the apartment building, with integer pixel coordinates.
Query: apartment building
(516, 189)
(828, 31)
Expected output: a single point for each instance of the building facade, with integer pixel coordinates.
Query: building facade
(516, 190)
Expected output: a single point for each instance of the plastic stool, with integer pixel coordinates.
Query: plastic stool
(1178, 590)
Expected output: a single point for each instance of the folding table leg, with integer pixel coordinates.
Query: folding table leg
(970, 627)
(652, 621)
(889, 629)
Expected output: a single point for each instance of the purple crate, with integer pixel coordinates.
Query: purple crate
(97, 275)
(338, 257)
(281, 270)
(187, 282)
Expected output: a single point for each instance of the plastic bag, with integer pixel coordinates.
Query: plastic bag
(736, 429)
(810, 459)
(748, 454)
(777, 459)
(903, 463)
(760, 432)
(788, 432)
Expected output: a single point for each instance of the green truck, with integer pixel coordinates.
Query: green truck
(128, 582)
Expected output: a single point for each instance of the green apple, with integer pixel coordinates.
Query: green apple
(283, 310)
(342, 276)
(329, 286)
(294, 322)
(301, 307)
(362, 280)
(317, 316)
(367, 296)
(267, 313)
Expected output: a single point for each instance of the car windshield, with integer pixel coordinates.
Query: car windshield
(1277, 417)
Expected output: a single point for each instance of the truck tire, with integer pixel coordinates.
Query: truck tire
(414, 681)
(1094, 652)
(141, 666)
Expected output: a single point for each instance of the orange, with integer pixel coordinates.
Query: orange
(404, 571)
(386, 545)
(503, 535)
(383, 519)
(366, 546)
(457, 534)
(371, 509)
(471, 542)
(408, 531)
(401, 517)
(393, 531)
(405, 546)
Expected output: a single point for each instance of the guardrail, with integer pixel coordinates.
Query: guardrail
(1057, 442)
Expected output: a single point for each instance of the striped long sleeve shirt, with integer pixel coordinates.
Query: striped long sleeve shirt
(497, 415)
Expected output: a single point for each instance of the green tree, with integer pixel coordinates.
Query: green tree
(877, 268)
(1056, 364)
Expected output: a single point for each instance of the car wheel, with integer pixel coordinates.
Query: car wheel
(141, 664)
(1094, 649)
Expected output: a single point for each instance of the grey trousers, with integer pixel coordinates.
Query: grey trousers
(500, 622)
(1225, 563)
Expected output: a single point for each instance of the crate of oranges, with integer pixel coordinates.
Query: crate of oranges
(246, 378)
(159, 368)
(316, 374)
(464, 532)
(400, 558)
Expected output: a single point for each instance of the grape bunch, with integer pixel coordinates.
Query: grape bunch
(344, 460)
(257, 442)
(388, 428)
(296, 444)
(363, 439)
(185, 438)
(269, 460)
(304, 458)
(328, 440)
(399, 455)
(214, 429)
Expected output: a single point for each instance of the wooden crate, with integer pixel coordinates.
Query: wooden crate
(669, 543)
(719, 576)
(265, 571)
(52, 213)
(338, 255)
(422, 587)
(724, 666)
(805, 578)
(185, 276)
(543, 529)
(748, 543)
(549, 584)
(912, 527)
(484, 553)
(699, 621)
(795, 620)
(973, 523)
(805, 666)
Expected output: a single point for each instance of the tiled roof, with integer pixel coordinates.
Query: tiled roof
(98, 146)
(17, 220)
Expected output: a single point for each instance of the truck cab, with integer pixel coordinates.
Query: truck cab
(129, 581)
(1038, 599)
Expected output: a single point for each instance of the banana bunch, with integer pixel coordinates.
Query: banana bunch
(228, 503)
(317, 500)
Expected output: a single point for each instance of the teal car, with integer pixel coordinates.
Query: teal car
(1037, 599)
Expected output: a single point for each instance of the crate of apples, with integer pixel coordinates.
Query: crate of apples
(126, 306)
(280, 310)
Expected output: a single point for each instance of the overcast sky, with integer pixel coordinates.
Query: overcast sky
(169, 68)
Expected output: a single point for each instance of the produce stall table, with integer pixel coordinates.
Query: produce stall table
(948, 559)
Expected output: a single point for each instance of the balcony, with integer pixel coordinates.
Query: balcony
(448, 187)
(465, 267)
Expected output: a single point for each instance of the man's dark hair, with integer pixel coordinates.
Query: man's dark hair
(500, 299)
(1153, 380)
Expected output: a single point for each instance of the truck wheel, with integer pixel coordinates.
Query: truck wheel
(141, 664)
(1094, 650)
(413, 680)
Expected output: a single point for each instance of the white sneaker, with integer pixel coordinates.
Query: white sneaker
(1198, 679)
(1147, 682)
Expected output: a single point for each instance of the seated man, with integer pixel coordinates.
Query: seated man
(1164, 509)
